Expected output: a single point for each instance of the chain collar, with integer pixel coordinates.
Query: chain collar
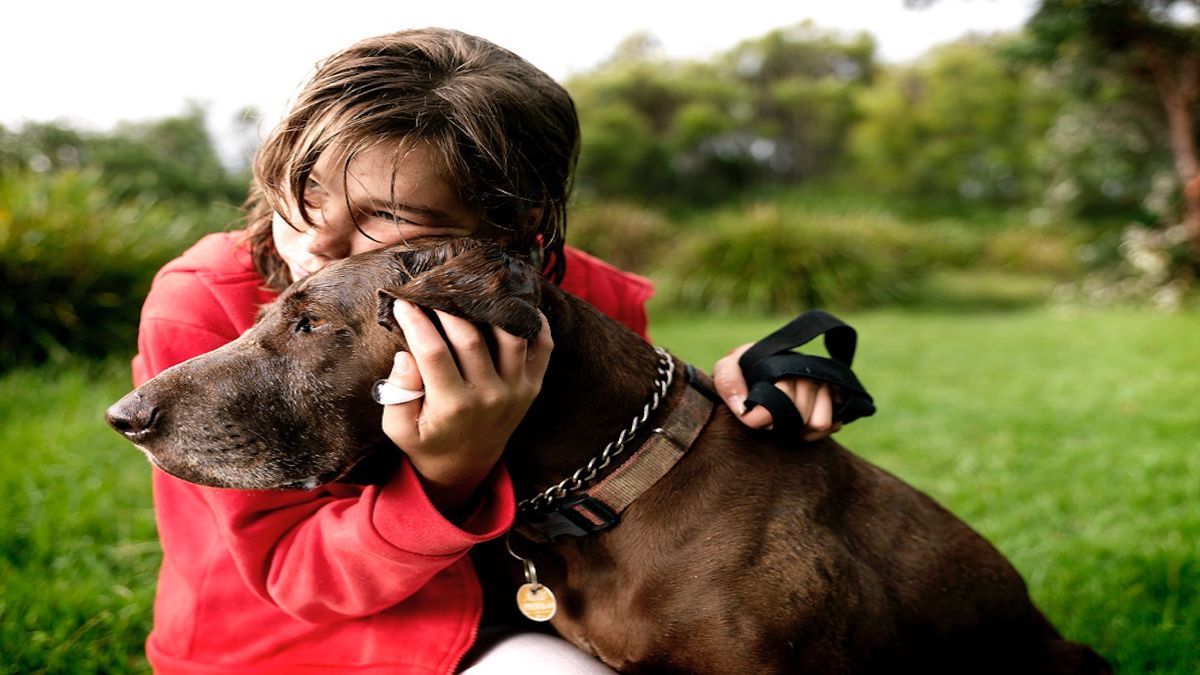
(665, 374)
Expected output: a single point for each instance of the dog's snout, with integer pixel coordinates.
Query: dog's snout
(133, 416)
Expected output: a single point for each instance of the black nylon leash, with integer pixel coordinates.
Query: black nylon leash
(772, 358)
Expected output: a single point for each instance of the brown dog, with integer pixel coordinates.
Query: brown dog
(748, 556)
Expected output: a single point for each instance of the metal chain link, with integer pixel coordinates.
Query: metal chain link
(544, 501)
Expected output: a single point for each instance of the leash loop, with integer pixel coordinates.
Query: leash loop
(772, 358)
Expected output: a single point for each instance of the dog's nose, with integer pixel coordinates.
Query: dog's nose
(133, 416)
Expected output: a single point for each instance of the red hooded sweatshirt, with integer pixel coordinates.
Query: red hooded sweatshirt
(344, 578)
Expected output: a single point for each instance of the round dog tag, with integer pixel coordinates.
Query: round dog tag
(536, 602)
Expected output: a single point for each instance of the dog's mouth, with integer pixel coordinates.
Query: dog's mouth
(241, 482)
(316, 481)
(310, 483)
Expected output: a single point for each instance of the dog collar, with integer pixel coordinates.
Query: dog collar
(568, 509)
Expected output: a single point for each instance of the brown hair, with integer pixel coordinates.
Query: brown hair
(507, 134)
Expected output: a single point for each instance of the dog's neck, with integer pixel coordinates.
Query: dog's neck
(600, 376)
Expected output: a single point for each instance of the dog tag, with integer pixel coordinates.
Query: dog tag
(536, 602)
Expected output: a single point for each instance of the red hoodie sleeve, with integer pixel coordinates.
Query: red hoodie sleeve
(337, 552)
(346, 551)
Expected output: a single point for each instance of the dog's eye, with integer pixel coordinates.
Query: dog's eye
(307, 324)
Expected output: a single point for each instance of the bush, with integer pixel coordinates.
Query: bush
(75, 264)
(1034, 250)
(628, 236)
(764, 259)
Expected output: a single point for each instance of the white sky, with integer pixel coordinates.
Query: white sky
(92, 63)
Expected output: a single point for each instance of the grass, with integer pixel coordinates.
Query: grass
(78, 551)
(1067, 438)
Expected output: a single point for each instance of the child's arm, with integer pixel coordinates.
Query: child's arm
(337, 552)
(345, 551)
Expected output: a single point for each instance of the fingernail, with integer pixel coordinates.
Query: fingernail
(738, 403)
(400, 364)
(399, 308)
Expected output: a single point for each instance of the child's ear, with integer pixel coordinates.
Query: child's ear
(482, 284)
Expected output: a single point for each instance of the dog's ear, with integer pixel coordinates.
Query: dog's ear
(481, 283)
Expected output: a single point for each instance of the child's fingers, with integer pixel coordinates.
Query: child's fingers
(402, 406)
(471, 352)
(405, 373)
(813, 399)
(433, 358)
(757, 418)
(731, 384)
(511, 353)
(537, 358)
(820, 419)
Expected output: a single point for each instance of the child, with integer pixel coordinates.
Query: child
(425, 133)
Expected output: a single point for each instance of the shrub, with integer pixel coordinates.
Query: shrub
(1034, 250)
(75, 264)
(765, 259)
(628, 236)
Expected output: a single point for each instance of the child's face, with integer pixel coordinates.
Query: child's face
(419, 203)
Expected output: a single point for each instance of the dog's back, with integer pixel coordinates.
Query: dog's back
(753, 555)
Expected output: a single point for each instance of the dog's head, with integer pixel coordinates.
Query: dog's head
(288, 403)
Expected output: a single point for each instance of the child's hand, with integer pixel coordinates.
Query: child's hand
(813, 399)
(455, 434)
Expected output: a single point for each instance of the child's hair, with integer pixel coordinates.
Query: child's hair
(506, 133)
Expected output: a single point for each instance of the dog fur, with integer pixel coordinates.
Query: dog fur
(751, 555)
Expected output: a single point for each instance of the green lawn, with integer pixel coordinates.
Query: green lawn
(78, 553)
(1067, 438)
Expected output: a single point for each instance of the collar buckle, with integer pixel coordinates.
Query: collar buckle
(578, 516)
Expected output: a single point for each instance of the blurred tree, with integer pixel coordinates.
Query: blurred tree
(962, 125)
(86, 219)
(171, 159)
(771, 110)
(801, 81)
(41, 146)
(1153, 43)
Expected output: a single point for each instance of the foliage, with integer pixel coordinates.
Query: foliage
(76, 263)
(765, 259)
(1153, 266)
(1028, 249)
(78, 555)
(1106, 152)
(86, 218)
(1026, 424)
(631, 237)
(774, 109)
(801, 82)
(1142, 59)
(962, 125)
(1029, 426)
(167, 159)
